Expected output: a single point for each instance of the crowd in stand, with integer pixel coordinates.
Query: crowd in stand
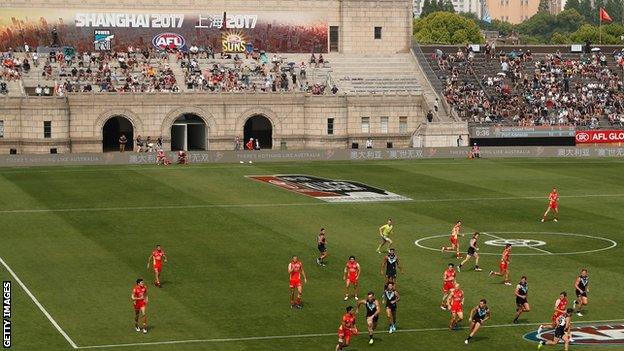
(149, 70)
(553, 89)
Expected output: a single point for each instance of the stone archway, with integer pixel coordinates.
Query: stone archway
(112, 129)
(189, 133)
(259, 127)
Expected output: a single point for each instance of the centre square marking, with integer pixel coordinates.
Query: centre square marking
(608, 243)
(516, 242)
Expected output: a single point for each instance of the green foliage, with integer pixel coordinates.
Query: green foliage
(431, 6)
(559, 38)
(446, 28)
(543, 6)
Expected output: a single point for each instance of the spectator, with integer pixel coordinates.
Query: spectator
(369, 143)
(429, 116)
(250, 144)
(237, 143)
(122, 142)
(139, 143)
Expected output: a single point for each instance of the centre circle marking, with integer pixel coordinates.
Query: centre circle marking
(609, 243)
(515, 242)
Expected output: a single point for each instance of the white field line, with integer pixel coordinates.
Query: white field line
(39, 305)
(530, 247)
(277, 164)
(319, 203)
(300, 336)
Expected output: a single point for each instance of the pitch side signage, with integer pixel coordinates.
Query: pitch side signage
(330, 190)
(587, 335)
(599, 136)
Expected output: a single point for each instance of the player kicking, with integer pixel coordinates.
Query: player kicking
(472, 252)
(560, 308)
(372, 314)
(139, 300)
(321, 243)
(391, 297)
(295, 270)
(582, 288)
(385, 231)
(478, 316)
(447, 285)
(389, 267)
(455, 233)
(503, 267)
(522, 303)
(562, 331)
(346, 329)
(553, 204)
(156, 259)
(455, 303)
(351, 276)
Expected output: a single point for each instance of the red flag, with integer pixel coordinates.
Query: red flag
(604, 16)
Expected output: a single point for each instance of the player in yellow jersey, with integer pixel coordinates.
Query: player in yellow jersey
(385, 231)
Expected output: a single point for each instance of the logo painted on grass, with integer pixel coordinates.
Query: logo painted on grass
(587, 335)
(516, 242)
(330, 190)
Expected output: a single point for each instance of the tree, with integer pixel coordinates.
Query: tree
(426, 8)
(569, 21)
(573, 5)
(541, 26)
(544, 6)
(559, 38)
(447, 28)
(587, 10)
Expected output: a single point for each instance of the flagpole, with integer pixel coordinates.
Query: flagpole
(600, 25)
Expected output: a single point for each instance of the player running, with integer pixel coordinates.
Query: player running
(391, 297)
(155, 259)
(372, 314)
(447, 285)
(553, 204)
(521, 292)
(389, 267)
(351, 276)
(385, 231)
(139, 300)
(582, 288)
(321, 243)
(472, 252)
(562, 331)
(455, 233)
(503, 267)
(560, 308)
(455, 303)
(478, 316)
(295, 270)
(346, 329)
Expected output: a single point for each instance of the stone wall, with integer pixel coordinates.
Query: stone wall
(298, 119)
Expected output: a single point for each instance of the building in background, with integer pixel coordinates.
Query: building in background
(472, 6)
(513, 11)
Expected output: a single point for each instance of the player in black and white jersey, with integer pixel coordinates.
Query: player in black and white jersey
(581, 286)
(389, 267)
(372, 313)
(321, 243)
(522, 302)
(473, 251)
(562, 331)
(391, 297)
(478, 316)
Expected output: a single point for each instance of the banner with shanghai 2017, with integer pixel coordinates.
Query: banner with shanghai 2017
(95, 30)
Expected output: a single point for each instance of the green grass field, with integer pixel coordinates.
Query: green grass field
(78, 237)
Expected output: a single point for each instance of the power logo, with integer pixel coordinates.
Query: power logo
(587, 335)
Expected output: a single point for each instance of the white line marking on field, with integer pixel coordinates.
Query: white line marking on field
(319, 203)
(34, 299)
(276, 337)
(612, 243)
(531, 247)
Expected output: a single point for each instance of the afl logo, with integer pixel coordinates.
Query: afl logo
(582, 137)
(166, 40)
(587, 335)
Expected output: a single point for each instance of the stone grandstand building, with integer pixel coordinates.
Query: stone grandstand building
(382, 93)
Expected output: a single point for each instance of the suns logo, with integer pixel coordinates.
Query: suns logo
(233, 41)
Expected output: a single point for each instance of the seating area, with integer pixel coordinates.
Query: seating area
(148, 70)
(527, 88)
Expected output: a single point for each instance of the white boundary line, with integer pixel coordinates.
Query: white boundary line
(276, 337)
(613, 244)
(531, 247)
(315, 203)
(39, 305)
